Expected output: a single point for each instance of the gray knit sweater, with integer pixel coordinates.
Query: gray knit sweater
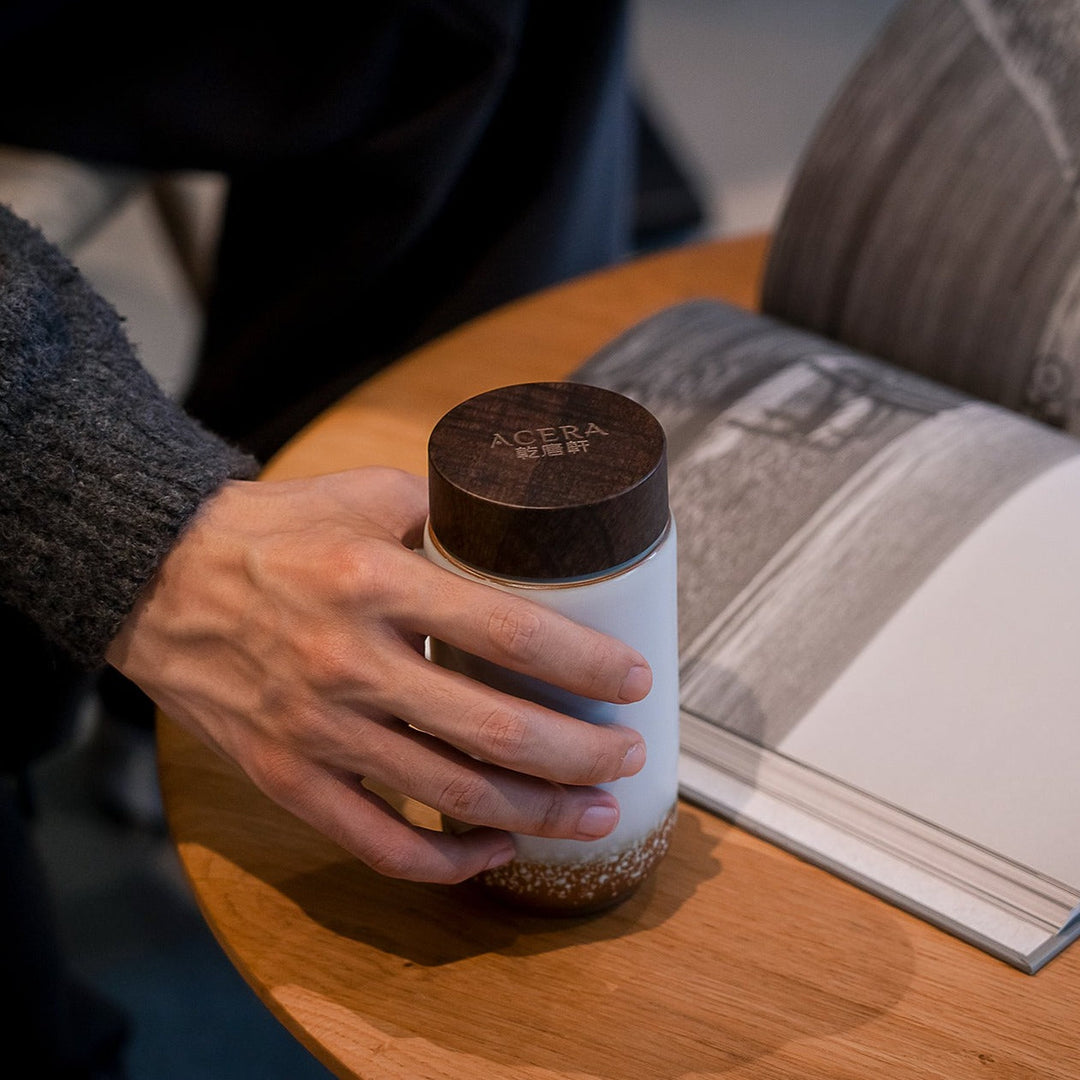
(100, 470)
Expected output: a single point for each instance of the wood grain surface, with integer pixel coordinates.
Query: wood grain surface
(501, 502)
(736, 960)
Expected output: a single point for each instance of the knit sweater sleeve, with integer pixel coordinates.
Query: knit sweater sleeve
(100, 470)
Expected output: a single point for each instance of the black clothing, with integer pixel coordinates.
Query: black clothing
(393, 168)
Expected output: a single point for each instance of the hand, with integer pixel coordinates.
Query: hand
(286, 629)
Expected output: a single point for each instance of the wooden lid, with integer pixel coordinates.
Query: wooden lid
(547, 480)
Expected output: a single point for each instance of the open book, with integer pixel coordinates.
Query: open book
(877, 487)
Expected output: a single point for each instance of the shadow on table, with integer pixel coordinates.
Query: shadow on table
(728, 976)
(430, 938)
(434, 925)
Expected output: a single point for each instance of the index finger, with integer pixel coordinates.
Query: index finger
(531, 639)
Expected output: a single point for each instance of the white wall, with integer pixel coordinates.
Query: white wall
(740, 85)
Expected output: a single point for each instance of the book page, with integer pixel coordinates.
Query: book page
(933, 221)
(964, 709)
(815, 491)
(879, 605)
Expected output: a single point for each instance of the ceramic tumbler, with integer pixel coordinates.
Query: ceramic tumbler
(558, 492)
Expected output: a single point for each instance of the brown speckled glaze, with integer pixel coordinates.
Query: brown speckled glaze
(578, 888)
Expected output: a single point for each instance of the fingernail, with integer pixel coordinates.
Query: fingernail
(635, 758)
(502, 856)
(637, 684)
(598, 821)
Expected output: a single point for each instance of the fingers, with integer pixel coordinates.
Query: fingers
(427, 770)
(507, 630)
(335, 803)
(508, 729)
(511, 732)
(526, 637)
(363, 824)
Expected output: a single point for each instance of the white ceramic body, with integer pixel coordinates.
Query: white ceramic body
(638, 606)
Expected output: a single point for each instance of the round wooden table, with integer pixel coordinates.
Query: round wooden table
(736, 960)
